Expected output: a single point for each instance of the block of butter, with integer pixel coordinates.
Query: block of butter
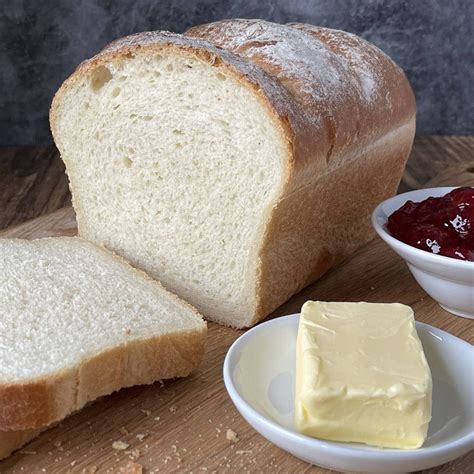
(361, 375)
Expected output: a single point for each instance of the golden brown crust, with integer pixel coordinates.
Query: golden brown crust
(49, 399)
(316, 228)
(12, 440)
(392, 101)
(348, 92)
(142, 362)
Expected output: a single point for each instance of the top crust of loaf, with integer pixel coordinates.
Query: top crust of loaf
(349, 92)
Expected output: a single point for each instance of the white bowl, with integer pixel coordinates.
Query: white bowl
(447, 280)
(259, 372)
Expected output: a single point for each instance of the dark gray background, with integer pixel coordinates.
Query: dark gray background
(41, 42)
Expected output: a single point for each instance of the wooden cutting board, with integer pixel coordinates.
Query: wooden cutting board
(181, 426)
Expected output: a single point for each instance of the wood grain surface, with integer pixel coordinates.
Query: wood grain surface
(181, 426)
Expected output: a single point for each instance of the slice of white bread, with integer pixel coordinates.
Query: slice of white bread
(236, 163)
(76, 323)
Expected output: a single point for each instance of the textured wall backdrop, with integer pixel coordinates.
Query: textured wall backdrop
(41, 42)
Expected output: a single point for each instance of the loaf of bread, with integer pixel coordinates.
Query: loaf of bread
(236, 163)
(76, 323)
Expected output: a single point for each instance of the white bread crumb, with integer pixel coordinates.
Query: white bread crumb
(231, 436)
(120, 445)
(133, 455)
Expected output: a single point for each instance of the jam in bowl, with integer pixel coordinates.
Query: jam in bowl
(441, 225)
(432, 230)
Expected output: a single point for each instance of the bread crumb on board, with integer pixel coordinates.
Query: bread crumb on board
(133, 455)
(231, 436)
(89, 470)
(131, 468)
(120, 445)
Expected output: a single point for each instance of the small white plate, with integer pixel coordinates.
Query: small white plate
(259, 374)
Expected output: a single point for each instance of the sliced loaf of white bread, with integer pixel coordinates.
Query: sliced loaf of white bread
(76, 323)
(236, 163)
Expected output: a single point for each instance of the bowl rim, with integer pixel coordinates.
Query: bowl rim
(336, 448)
(383, 232)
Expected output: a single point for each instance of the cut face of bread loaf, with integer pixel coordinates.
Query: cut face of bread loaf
(77, 323)
(235, 164)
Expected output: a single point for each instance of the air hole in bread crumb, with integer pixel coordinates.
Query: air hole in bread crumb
(221, 76)
(99, 77)
(115, 92)
(169, 67)
(127, 162)
(178, 145)
(178, 132)
(224, 123)
(147, 118)
(157, 73)
(158, 57)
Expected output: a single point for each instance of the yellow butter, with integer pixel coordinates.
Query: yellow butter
(361, 375)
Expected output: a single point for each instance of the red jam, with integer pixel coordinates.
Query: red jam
(442, 225)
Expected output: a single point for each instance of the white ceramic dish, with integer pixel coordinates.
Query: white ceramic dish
(259, 376)
(447, 280)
